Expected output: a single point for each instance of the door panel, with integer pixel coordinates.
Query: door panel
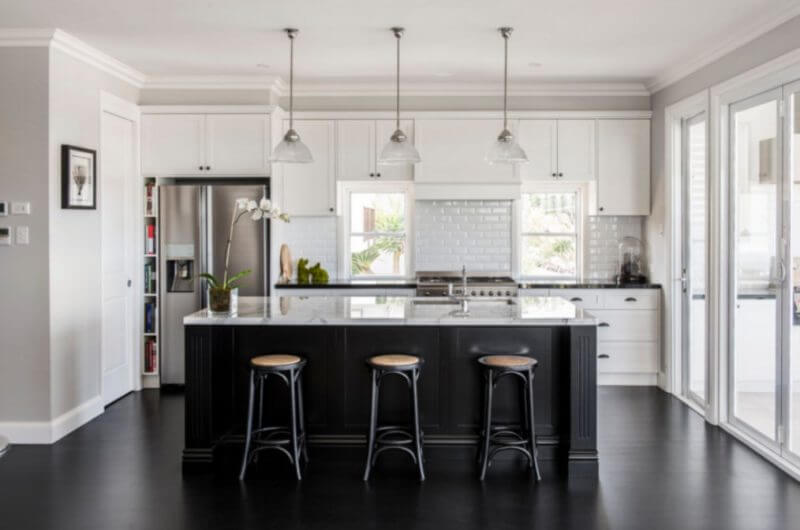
(538, 138)
(755, 233)
(173, 144)
(118, 171)
(309, 189)
(576, 150)
(237, 144)
(355, 149)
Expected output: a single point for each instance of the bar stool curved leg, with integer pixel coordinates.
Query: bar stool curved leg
(249, 426)
(532, 429)
(417, 436)
(487, 435)
(373, 419)
(295, 444)
(304, 436)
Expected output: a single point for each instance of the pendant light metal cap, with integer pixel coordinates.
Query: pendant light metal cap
(506, 150)
(398, 151)
(292, 150)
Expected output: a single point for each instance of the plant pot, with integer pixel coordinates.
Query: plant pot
(223, 302)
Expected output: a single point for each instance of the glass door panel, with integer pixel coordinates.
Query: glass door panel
(755, 234)
(793, 322)
(694, 257)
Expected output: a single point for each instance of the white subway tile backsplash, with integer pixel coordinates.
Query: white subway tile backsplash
(313, 238)
(449, 234)
(603, 235)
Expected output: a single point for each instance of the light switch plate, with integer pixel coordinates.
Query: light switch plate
(3, 208)
(5, 236)
(23, 235)
(20, 208)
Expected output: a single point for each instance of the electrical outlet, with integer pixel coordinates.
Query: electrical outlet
(20, 208)
(5, 236)
(23, 235)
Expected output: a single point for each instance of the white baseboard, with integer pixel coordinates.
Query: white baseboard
(48, 432)
(627, 379)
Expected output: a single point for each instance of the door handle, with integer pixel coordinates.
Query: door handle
(129, 282)
(604, 325)
(604, 356)
(576, 299)
(630, 299)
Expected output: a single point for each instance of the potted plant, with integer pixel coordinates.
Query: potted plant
(223, 295)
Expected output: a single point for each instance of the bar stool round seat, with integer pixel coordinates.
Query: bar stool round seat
(508, 362)
(275, 361)
(394, 361)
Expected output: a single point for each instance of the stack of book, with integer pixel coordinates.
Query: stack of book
(149, 278)
(148, 199)
(150, 356)
(149, 317)
(150, 239)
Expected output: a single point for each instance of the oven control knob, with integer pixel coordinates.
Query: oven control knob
(508, 293)
(474, 293)
(483, 293)
(491, 293)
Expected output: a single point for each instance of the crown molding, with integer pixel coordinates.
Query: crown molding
(279, 87)
(63, 41)
(747, 34)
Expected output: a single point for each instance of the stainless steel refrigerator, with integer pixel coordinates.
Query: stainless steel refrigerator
(194, 221)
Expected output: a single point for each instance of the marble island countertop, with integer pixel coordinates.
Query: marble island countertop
(399, 310)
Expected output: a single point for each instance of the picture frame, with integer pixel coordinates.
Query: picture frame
(78, 178)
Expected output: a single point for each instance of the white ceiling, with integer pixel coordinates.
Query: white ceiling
(446, 40)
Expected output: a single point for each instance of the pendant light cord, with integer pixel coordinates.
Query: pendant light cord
(291, 79)
(505, 81)
(397, 101)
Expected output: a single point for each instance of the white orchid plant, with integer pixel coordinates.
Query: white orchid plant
(263, 209)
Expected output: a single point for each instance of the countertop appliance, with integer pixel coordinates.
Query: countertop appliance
(437, 283)
(194, 223)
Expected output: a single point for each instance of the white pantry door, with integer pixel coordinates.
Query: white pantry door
(117, 173)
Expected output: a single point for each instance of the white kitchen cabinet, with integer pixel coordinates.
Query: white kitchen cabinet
(358, 147)
(453, 151)
(623, 174)
(203, 145)
(539, 139)
(310, 189)
(173, 144)
(558, 149)
(576, 150)
(237, 144)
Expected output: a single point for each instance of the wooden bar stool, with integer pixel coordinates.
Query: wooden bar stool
(291, 439)
(497, 438)
(386, 437)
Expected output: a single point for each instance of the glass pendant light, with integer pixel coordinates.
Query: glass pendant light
(398, 151)
(506, 150)
(291, 149)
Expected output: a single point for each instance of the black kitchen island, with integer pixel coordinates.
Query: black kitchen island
(336, 334)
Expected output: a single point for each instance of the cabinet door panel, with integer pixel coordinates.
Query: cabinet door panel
(237, 144)
(576, 149)
(623, 186)
(355, 149)
(538, 139)
(383, 131)
(454, 151)
(173, 144)
(308, 189)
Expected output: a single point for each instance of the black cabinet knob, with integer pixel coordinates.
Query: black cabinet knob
(554, 174)
(372, 174)
(560, 175)
(208, 167)
(200, 168)
(601, 208)
(330, 209)
(379, 175)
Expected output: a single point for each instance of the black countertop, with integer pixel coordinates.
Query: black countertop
(412, 284)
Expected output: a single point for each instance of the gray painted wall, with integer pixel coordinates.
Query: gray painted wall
(24, 341)
(75, 244)
(775, 43)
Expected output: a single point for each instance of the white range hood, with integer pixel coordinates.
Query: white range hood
(466, 191)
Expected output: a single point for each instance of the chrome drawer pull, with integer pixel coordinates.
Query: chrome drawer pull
(604, 325)
(576, 299)
(604, 356)
(630, 299)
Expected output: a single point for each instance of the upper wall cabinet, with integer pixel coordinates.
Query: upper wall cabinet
(558, 149)
(310, 189)
(623, 175)
(454, 151)
(205, 145)
(359, 144)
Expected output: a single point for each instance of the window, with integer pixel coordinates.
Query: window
(376, 226)
(550, 235)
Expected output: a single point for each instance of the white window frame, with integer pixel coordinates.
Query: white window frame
(345, 190)
(581, 191)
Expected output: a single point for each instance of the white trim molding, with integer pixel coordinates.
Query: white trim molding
(63, 41)
(734, 41)
(48, 432)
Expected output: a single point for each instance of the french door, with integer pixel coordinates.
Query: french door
(694, 253)
(764, 234)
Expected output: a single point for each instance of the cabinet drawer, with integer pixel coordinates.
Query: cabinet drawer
(631, 300)
(584, 298)
(534, 292)
(626, 325)
(627, 358)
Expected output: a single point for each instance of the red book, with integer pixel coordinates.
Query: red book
(151, 239)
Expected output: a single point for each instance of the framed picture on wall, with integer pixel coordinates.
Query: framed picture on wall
(78, 178)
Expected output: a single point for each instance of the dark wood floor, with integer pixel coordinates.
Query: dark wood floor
(660, 467)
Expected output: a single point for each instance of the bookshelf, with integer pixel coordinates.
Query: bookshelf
(150, 278)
